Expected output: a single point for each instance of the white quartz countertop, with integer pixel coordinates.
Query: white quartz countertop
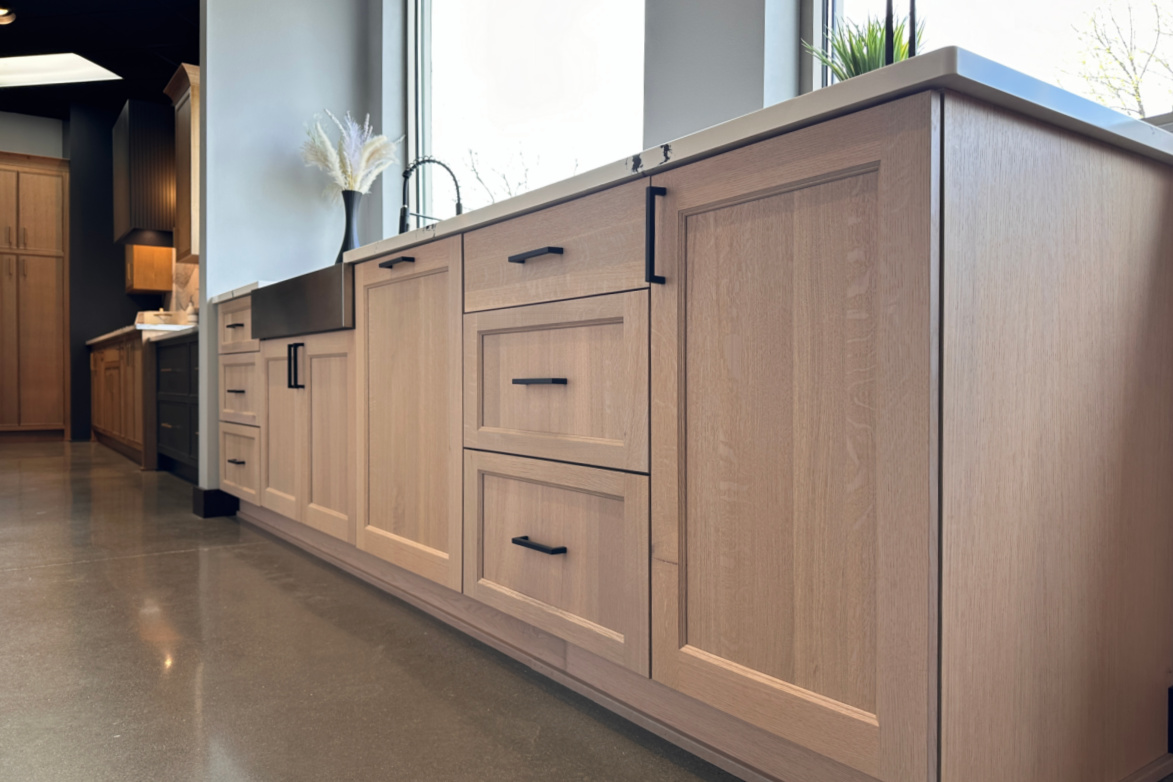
(948, 69)
(149, 332)
(236, 292)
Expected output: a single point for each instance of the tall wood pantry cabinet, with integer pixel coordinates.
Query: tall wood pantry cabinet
(33, 296)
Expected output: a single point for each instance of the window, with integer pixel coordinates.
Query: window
(517, 94)
(1116, 52)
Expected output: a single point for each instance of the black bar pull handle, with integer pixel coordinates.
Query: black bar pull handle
(295, 367)
(525, 542)
(234, 326)
(523, 257)
(236, 461)
(234, 390)
(539, 381)
(289, 366)
(650, 275)
(389, 263)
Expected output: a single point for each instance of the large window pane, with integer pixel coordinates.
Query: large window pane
(524, 93)
(1117, 52)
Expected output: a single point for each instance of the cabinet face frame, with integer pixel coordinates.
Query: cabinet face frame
(898, 141)
(327, 418)
(439, 257)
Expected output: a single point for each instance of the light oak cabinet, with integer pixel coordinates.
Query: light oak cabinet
(9, 341)
(40, 295)
(148, 269)
(408, 322)
(32, 208)
(117, 393)
(306, 430)
(184, 91)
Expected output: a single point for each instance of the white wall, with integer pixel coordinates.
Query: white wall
(703, 64)
(30, 135)
(268, 67)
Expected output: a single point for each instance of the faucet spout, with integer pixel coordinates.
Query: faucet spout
(403, 213)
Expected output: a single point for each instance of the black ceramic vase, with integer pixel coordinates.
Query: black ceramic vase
(350, 199)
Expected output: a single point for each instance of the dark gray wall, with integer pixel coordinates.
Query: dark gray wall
(98, 301)
(32, 135)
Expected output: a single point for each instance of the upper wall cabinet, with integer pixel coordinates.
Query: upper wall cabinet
(184, 91)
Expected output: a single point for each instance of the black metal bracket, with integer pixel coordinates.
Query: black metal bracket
(525, 542)
(236, 461)
(650, 275)
(234, 390)
(890, 32)
(291, 365)
(392, 261)
(539, 381)
(523, 257)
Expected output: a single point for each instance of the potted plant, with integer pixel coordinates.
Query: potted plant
(352, 164)
(859, 48)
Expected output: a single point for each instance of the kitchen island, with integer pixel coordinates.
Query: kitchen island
(832, 443)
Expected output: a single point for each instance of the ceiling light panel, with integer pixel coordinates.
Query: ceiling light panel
(50, 69)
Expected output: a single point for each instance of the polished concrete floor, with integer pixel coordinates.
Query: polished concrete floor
(138, 642)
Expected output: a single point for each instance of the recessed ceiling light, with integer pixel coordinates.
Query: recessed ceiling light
(50, 69)
(7, 16)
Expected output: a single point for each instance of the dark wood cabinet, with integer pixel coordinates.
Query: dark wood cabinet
(177, 401)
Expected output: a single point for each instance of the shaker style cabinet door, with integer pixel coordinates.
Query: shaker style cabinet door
(41, 300)
(9, 236)
(325, 368)
(9, 345)
(282, 436)
(793, 437)
(408, 323)
(42, 205)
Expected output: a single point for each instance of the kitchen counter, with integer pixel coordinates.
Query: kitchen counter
(150, 332)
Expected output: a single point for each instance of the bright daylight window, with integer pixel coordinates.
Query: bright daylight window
(1116, 52)
(517, 94)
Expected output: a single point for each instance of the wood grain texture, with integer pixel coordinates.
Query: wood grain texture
(793, 579)
(41, 212)
(602, 238)
(184, 91)
(240, 372)
(236, 340)
(596, 594)
(598, 345)
(149, 269)
(736, 746)
(283, 435)
(9, 342)
(1057, 427)
(41, 297)
(328, 470)
(240, 444)
(9, 236)
(408, 332)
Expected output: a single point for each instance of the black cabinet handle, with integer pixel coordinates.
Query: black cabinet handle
(650, 235)
(234, 326)
(234, 390)
(539, 381)
(392, 261)
(236, 461)
(523, 257)
(292, 366)
(525, 542)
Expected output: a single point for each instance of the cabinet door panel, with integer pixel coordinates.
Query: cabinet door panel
(9, 347)
(328, 474)
(41, 340)
(282, 443)
(42, 209)
(792, 437)
(409, 353)
(8, 226)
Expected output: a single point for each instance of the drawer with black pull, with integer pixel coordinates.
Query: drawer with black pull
(562, 547)
(240, 469)
(592, 245)
(566, 380)
(240, 391)
(236, 326)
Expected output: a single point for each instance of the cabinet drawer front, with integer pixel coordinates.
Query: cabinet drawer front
(174, 377)
(566, 381)
(240, 395)
(601, 237)
(593, 589)
(240, 467)
(175, 433)
(236, 326)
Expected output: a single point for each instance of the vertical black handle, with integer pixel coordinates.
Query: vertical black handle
(289, 365)
(650, 235)
(889, 36)
(294, 368)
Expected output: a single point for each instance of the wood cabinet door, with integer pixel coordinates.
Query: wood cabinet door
(9, 235)
(793, 437)
(408, 324)
(9, 345)
(282, 435)
(42, 211)
(41, 341)
(111, 396)
(326, 369)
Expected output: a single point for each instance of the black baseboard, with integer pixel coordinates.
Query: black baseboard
(188, 472)
(207, 503)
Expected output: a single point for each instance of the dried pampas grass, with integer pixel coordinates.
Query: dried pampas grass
(357, 159)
